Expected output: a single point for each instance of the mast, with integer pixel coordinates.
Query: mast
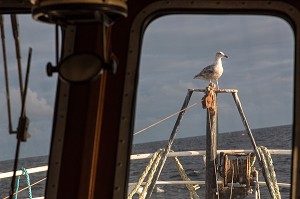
(211, 143)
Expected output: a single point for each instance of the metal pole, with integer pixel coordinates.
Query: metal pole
(246, 125)
(15, 30)
(211, 151)
(10, 128)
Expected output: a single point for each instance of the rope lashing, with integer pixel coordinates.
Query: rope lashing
(184, 176)
(24, 172)
(269, 171)
(152, 165)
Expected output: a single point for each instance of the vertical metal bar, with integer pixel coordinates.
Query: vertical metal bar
(15, 30)
(23, 102)
(171, 139)
(211, 152)
(60, 121)
(10, 128)
(257, 194)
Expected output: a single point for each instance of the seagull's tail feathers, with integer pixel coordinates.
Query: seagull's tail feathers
(198, 76)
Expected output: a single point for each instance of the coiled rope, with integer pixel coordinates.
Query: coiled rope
(24, 172)
(269, 171)
(152, 165)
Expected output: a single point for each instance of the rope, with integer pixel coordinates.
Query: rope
(152, 167)
(151, 175)
(166, 118)
(153, 164)
(184, 176)
(33, 184)
(24, 172)
(268, 168)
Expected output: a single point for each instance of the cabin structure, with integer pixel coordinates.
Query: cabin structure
(94, 110)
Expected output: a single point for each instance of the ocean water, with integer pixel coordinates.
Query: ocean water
(273, 138)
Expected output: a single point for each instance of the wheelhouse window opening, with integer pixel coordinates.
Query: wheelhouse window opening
(39, 101)
(260, 65)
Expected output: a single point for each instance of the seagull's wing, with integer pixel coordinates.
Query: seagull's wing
(206, 72)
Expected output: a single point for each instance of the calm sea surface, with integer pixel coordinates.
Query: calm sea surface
(272, 138)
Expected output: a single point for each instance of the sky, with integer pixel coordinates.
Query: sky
(260, 65)
(174, 49)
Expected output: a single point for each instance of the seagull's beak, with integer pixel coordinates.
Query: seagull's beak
(225, 56)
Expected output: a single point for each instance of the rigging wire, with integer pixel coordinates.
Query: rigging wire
(166, 118)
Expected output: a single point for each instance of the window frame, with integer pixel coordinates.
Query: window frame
(143, 14)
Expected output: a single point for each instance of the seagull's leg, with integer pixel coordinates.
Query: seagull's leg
(217, 84)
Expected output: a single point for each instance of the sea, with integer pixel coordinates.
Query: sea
(279, 137)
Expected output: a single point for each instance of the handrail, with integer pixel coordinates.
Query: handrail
(20, 172)
(201, 182)
(171, 154)
(149, 155)
(202, 153)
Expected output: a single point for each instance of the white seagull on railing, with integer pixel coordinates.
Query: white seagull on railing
(214, 71)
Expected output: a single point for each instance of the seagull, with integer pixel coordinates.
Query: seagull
(213, 71)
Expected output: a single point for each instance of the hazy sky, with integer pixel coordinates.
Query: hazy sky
(260, 66)
(175, 48)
